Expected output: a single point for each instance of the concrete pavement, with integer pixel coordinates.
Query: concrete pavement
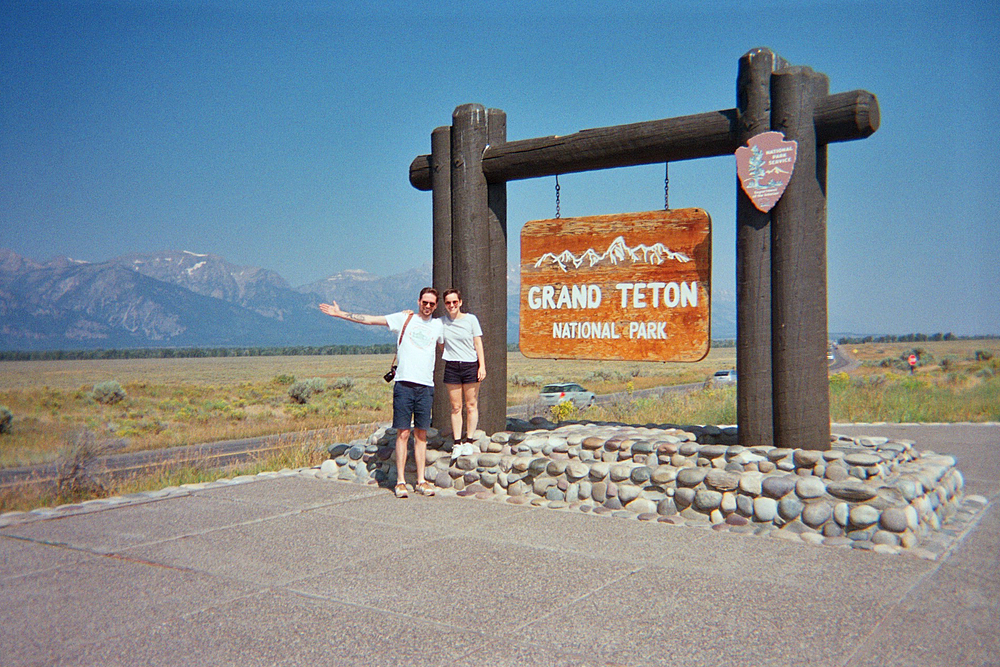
(293, 570)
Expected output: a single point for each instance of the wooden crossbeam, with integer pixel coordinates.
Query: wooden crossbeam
(839, 117)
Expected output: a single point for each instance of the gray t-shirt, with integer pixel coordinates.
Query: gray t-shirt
(459, 338)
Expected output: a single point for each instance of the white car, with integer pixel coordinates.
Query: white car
(721, 379)
(554, 394)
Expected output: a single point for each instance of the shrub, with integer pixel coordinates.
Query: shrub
(563, 410)
(983, 355)
(524, 381)
(6, 419)
(302, 390)
(109, 392)
(283, 379)
(343, 384)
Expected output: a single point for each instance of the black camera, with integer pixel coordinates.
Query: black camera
(388, 377)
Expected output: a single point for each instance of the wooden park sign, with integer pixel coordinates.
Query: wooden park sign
(631, 286)
(782, 398)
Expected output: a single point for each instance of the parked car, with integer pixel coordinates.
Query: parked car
(721, 379)
(554, 394)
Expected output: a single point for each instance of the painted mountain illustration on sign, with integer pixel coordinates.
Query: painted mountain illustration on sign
(618, 251)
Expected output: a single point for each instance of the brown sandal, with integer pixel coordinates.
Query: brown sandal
(425, 489)
(401, 491)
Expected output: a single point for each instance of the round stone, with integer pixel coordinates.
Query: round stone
(554, 468)
(894, 519)
(688, 449)
(663, 474)
(599, 471)
(806, 458)
(728, 505)
(620, 473)
(886, 537)
(521, 463)
(863, 515)
(536, 467)
(691, 476)
(721, 480)
(576, 470)
(628, 492)
(851, 491)
(816, 514)
(599, 492)
(640, 474)
(640, 506)
(836, 472)
(712, 451)
(765, 509)
(862, 459)
(778, 486)
(744, 505)
(684, 496)
(789, 508)
(666, 507)
(642, 447)
(706, 500)
(841, 513)
(777, 453)
(489, 460)
(751, 484)
(613, 504)
(592, 443)
(809, 487)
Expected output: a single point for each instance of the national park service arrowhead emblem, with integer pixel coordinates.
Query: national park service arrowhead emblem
(765, 166)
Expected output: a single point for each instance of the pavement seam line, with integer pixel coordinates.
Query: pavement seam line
(939, 564)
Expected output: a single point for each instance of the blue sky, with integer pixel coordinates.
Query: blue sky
(280, 135)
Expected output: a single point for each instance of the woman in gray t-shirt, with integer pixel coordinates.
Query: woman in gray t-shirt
(464, 369)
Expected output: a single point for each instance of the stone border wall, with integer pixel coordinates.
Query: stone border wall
(865, 492)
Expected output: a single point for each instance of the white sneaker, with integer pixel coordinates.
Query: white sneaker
(470, 449)
(456, 451)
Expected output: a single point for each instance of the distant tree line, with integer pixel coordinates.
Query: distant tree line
(189, 352)
(909, 338)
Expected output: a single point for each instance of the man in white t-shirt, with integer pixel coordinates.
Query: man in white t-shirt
(417, 336)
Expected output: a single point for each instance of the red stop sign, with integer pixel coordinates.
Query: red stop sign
(913, 360)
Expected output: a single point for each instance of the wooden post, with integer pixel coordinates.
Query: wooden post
(470, 253)
(801, 391)
(493, 392)
(441, 212)
(753, 264)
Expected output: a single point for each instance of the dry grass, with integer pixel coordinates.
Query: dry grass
(80, 477)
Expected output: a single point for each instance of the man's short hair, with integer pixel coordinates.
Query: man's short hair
(428, 290)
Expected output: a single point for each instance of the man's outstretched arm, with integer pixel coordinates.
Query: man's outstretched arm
(333, 310)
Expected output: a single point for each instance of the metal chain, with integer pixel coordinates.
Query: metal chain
(557, 196)
(666, 186)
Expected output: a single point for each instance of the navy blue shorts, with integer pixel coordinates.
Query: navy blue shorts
(461, 372)
(410, 399)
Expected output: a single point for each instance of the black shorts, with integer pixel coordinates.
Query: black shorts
(461, 372)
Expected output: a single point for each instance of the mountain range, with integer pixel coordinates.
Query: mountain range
(186, 299)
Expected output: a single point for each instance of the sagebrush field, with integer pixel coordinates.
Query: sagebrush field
(130, 405)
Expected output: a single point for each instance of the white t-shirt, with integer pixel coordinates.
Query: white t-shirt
(459, 335)
(416, 352)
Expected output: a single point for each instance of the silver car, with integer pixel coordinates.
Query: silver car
(721, 379)
(554, 394)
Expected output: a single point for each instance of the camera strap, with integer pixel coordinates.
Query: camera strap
(401, 332)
